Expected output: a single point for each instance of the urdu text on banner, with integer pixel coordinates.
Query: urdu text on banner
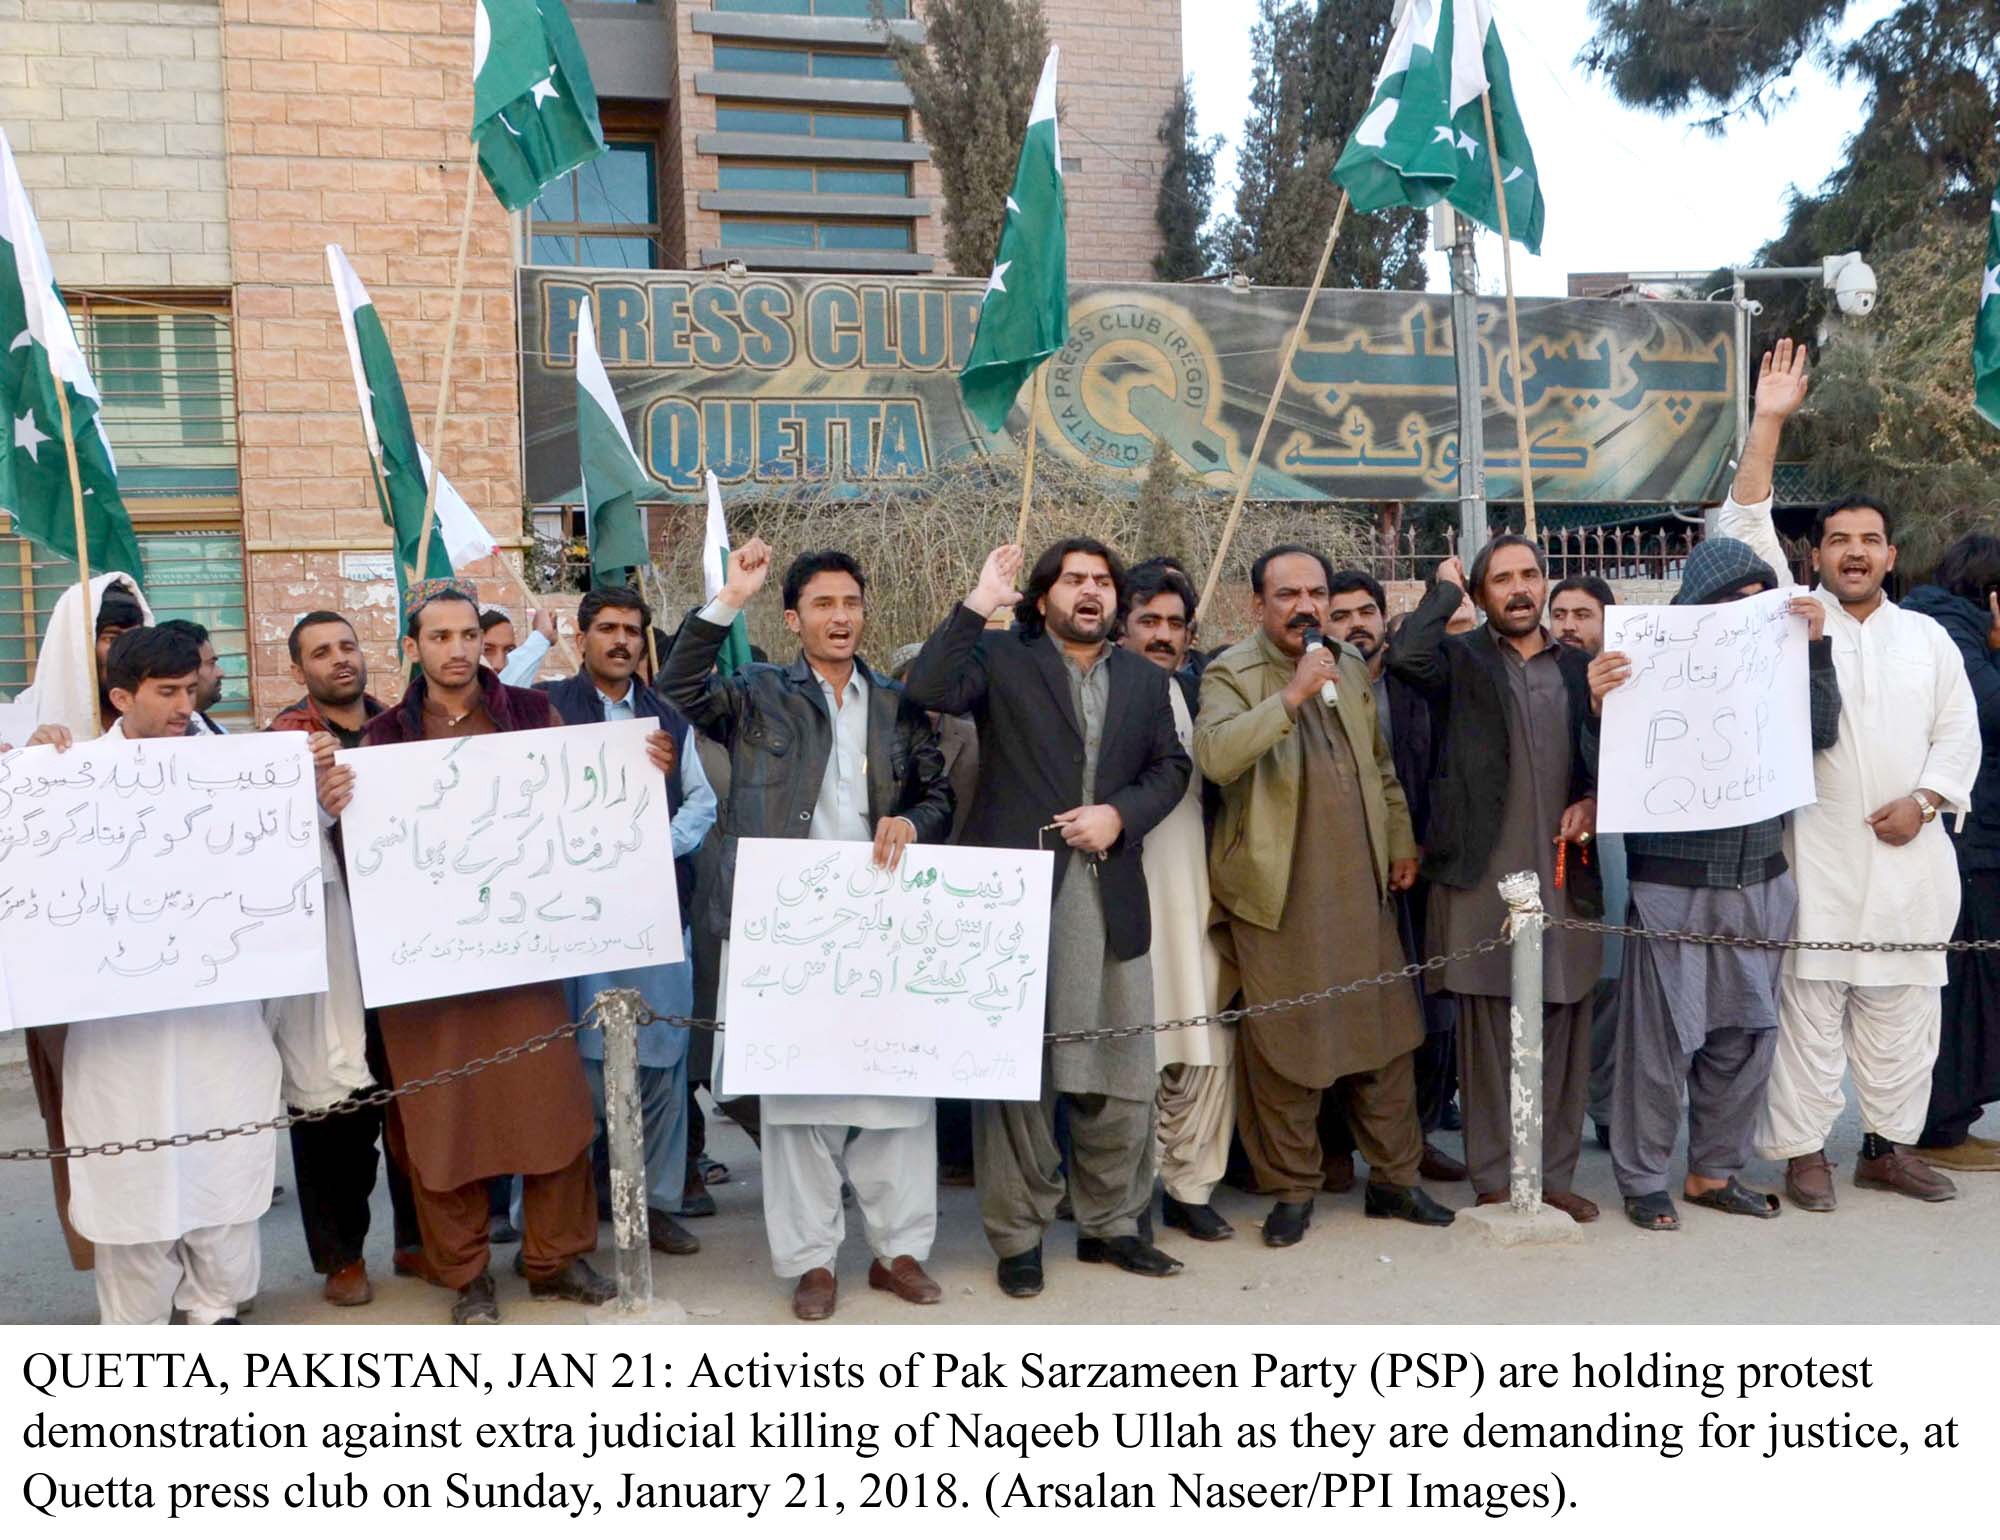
(848, 980)
(159, 874)
(1714, 728)
(508, 858)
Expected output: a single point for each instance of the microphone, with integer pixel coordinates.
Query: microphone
(1327, 693)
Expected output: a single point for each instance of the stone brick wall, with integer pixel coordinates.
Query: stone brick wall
(346, 122)
(114, 109)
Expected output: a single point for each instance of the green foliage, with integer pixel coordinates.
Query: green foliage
(1187, 189)
(974, 78)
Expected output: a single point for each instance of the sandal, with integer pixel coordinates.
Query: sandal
(713, 1172)
(1735, 1198)
(1652, 1211)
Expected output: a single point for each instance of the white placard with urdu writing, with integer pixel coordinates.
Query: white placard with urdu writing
(159, 873)
(1714, 728)
(508, 858)
(845, 980)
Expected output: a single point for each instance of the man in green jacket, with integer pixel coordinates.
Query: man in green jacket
(1313, 839)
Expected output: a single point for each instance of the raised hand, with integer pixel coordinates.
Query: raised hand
(1452, 570)
(1781, 380)
(997, 576)
(749, 566)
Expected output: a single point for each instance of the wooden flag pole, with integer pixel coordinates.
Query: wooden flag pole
(1270, 411)
(1028, 469)
(82, 544)
(444, 376)
(1513, 323)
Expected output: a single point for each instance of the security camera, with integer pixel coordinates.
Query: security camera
(1852, 282)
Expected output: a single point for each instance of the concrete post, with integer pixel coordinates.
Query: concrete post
(618, 1014)
(1522, 893)
(1471, 403)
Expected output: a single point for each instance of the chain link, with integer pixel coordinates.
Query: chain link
(381, 1096)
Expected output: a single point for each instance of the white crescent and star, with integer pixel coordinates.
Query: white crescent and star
(546, 89)
(999, 279)
(1989, 286)
(29, 437)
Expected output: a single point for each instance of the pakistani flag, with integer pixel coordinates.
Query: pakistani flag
(534, 110)
(1025, 315)
(1986, 325)
(614, 481)
(1424, 137)
(41, 357)
(401, 468)
(714, 567)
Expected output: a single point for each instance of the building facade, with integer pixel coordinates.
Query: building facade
(190, 160)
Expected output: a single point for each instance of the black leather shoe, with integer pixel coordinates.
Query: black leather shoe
(1198, 1219)
(664, 1235)
(578, 1281)
(1128, 1252)
(1021, 1276)
(475, 1305)
(1411, 1203)
(1287, 1223)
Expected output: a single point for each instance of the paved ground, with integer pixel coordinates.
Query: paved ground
(1880, 1258)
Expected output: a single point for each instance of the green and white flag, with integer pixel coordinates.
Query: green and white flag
(714, 568)
(401, 468)
(40, 357)
(614, 482)
(534, 110)
(1986, 325)
(1024, 317)
(1424, 136)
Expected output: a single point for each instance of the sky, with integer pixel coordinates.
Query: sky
(1625, 190)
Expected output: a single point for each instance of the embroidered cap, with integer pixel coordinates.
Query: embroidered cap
(427, 589)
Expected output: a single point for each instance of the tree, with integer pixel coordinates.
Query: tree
(1892, 408)
(1187, 189)
(973, 78)
(1313, 76)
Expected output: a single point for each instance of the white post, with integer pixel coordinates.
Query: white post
(618, 1014)
(1522, 893)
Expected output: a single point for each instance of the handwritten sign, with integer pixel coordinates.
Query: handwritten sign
(1714, 728)
(845, 980)
(509, 858)
(156, 874)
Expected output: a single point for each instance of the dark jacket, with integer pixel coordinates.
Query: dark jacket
(577, 700)
(1016, 690)
(1968, 624)
(512, 710)
(1410, 741)
(304, 716)
(1717, 571)
(773, 720)
(1461, 679)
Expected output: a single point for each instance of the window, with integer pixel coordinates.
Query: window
(860, 10)
(748, 176)
(606, 213)
(817, 123)
(823, 64)
(819, 235)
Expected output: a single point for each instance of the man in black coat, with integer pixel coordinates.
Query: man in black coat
(1076, 749)
(1511, 788)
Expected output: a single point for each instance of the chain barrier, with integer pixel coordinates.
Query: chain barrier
(382, 1096)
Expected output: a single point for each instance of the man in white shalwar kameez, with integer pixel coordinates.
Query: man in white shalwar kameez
(173, 1228)
(1195, 1108)
(1873, 860)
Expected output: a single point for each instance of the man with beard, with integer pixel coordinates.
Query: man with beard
(613, 623)
(823, 748)
(1874, 862)
(1358, 614)
(329, 1044)
(208, 688)
(1312, 844)
(1509, 707)
(530, 1116)
(1576, 617)
(1195, 1107)
(1076, 739)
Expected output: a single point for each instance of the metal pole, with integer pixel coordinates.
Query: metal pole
(1522, 893)
(1472, 524)
(618, 1014)
(1741, 301)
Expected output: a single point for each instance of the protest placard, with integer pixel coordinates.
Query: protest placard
(158, 874)
(476, 863)
(1714, 728)
(929, 980)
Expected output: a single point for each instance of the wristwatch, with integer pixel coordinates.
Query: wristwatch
(1930, 808)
